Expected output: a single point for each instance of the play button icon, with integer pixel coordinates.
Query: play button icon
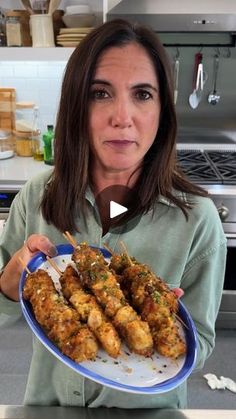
(116, 209)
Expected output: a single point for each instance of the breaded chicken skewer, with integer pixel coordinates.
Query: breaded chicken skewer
(155, 301)
(90, 312)
(60, 322)
(96, 276)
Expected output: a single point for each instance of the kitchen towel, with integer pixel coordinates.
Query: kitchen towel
(221, 383)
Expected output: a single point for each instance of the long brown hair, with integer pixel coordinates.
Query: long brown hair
(64, 197)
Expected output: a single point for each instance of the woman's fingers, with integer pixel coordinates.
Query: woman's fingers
(178, 292)
(39, 243)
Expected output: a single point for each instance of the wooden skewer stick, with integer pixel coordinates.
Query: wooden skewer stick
(181, 321)
(126, 253)
(54, 265)
(24, 265)
(70, 239)
(108, 248)
(131, 264)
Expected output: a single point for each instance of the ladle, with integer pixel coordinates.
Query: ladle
(214, 97)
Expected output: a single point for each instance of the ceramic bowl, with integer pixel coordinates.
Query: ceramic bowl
(79, 20)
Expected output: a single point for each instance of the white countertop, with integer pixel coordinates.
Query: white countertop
(17, 170)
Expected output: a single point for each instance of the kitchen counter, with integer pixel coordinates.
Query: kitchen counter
(37, 412)
(17, 170)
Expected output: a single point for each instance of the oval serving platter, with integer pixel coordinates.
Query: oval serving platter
(129, 372)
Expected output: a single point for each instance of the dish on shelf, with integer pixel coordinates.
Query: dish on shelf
(78, 9)
(71, 35)
(68, 43)
(78, 20)
(129, 372)
(76, 30)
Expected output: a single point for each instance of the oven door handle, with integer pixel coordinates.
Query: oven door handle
(231, 239)
(230, 236)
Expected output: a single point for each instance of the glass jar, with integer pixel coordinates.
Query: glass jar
(23, 143)
(6, 149)
(24, 118)
(13, 31)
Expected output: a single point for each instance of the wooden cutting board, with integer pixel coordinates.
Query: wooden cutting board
(7, 108)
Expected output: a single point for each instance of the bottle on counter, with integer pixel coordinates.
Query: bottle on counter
(48, 138)
(37, 143)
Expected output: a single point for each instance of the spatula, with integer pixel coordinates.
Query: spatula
(53, 5)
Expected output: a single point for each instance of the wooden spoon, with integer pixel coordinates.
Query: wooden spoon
(27, 6)
(53, 5)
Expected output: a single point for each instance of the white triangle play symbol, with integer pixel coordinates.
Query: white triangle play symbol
(116, 209)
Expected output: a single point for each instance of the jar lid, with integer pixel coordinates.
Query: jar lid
(25, 105)
(23, 134)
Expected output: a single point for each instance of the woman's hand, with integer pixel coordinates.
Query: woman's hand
(37, 243)
(9, 280)
(178, 292)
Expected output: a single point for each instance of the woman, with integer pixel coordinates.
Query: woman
(116, 125)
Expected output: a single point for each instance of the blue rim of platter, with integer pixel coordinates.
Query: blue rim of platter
(167, 385)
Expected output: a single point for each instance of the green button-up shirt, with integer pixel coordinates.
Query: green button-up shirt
(188, 254)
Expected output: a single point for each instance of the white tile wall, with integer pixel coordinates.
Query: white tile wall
(35, 81)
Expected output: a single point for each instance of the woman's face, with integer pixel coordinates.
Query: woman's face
(124, 109)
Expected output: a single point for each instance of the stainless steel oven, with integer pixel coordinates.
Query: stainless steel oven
(226, 206)
(213, 166)
(7, 194)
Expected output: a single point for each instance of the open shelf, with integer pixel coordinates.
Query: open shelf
(35, 54)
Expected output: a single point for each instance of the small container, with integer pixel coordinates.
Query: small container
(6, 149)
(24, 18)
(42, 30)
(24, 116)
(23, 143)
(13, 31)
(48, 138)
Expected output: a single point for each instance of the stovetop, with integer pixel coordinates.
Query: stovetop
(209, 167)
